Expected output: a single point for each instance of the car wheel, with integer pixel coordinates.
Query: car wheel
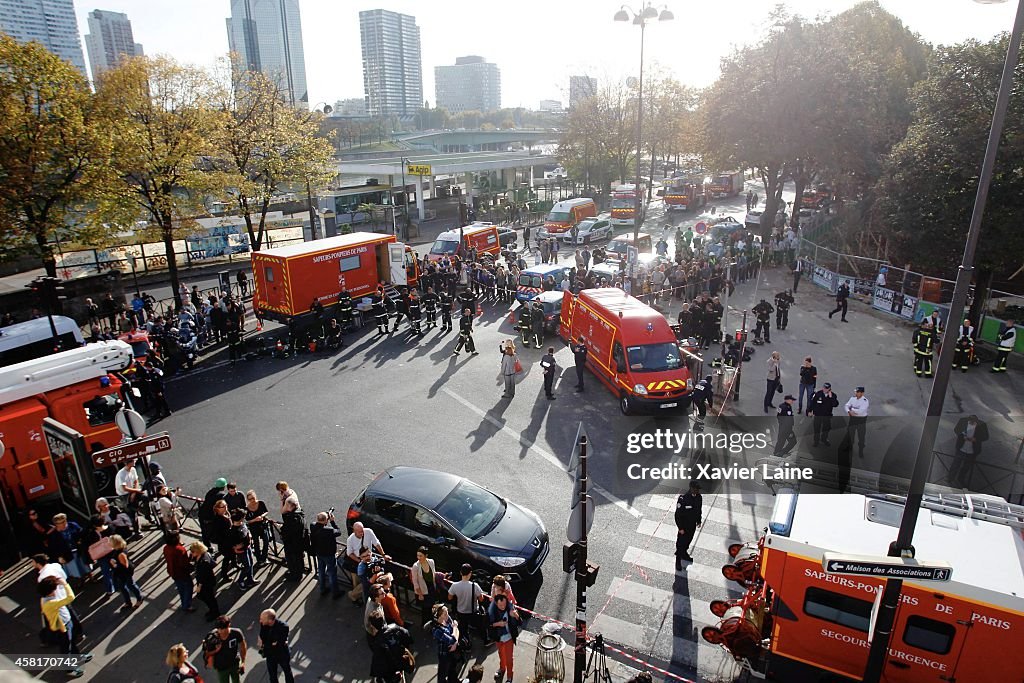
(625, 405)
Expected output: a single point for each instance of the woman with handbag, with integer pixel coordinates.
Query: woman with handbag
(510, 365)
(774, 382)
(124, 572)
(95, 544)
(446, 636)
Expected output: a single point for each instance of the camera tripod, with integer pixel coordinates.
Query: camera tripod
(597, 664)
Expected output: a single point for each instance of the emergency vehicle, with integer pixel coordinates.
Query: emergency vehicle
(727, 184)
(623, 207)
(685, 194)
(618, 248)
(565, 215)
(816, 198)
(631, 349)
(34, 338)
(531, 281)
(483, 236)
(76, 387)
(287, 279)
(802, 619)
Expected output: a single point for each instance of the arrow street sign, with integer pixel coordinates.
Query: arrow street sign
(150, 445)
(886, 567)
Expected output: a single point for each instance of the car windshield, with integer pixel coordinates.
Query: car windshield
(617, 246)
(586, 226)
(558, 217)
(623, 203)
(140, 349)
(551, 307)
(471, 510)
(527, 280)
(654, 357)
(444, 247)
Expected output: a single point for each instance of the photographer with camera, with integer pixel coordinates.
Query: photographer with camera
(324, 546)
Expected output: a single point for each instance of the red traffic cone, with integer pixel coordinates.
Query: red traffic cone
(479, 310)
(259, 325)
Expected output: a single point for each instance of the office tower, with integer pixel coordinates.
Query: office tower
(581, 87)
(267, 36)
(109, 41)
(472, 84)
(392, 73)
(550, 105)
(50, 22)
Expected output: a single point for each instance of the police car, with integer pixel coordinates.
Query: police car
(591, 230)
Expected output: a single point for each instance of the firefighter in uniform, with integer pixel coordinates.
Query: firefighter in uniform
(467, 300)
(964, 346)
(717, 311)
(415, 312)
(763, 311)
(783, 300)
(465, 333)
(525, 323)
(344, 310)
(401, 307)
(444, 303)
(1007, 340)
(537, 323)
(701, 398)
(697, 320)
(380, 312)
(430, 307)
(924, 342)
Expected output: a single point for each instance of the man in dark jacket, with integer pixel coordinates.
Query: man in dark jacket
(787, 439)
(971, 433)
(579, 354)
(218, 492)
(324, 546)
(273, 645)
(537, 323)
(525, 323)
(688, 518)
(822, 404)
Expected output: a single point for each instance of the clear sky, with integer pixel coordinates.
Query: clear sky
(536, 44)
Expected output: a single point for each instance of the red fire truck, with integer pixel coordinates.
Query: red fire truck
(685, 194)
(623, 207)
(727, 184)
(812, 591)
(77, 388)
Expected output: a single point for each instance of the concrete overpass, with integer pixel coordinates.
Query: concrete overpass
(512, 167)
(463, 141)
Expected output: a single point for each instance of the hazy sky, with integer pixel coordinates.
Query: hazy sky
(537, 45)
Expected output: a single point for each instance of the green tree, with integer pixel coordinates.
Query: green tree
(50, 148)
(599, 141)
(264, 146)
(930, 180)
(164, 125)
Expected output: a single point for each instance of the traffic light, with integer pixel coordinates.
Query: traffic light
(49, 293)
(569, 551)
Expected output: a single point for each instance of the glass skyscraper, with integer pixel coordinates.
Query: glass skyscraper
(392, 71)
(50, 22)
(267, 36)
(109, 40)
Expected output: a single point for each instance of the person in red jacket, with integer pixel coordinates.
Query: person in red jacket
(179, 567)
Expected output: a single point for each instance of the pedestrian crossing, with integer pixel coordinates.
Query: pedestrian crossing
(656, 613)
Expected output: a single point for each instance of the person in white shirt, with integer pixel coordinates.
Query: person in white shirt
(126, 486)
(360, 539)
(857, 409)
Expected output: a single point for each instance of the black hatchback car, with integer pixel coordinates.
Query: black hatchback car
(459, 521)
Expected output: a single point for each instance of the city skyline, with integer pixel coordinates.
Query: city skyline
(50, 22)
(110, 40)
(333, 57)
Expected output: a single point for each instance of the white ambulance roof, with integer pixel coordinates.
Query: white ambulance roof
(569, 203)
(471, 229)
(984, 554)
(326, 244)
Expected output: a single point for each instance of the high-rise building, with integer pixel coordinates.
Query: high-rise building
(550, 105)
(350, 106)
(109, 40)
(267, 36)
(580, 88)
(392, 71)
(50, 22)
(472, 84)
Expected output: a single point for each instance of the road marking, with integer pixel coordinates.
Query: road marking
(550, 457)
(198, 370)
(666, 564)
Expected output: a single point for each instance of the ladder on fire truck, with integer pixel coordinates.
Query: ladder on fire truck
(972, 506)
(38, 376)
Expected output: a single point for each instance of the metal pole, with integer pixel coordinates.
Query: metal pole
(903, 544)
(739, 362)
(405, 202)
(638, 201)
(580, 657)
(135, 277)
(312, 218)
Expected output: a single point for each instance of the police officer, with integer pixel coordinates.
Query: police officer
(415, 312)
(444, 303)
(344, 310)
(822, 404)
(579, 354)
(525, 321)
(763, 311)
(701, 398)
(537, 323)
(857, 410)
(787, 439)
(689, 507)
(842, 296)
(1007, 340)
(964, 346)
(430, 307)
(783, 300)
(465, 333)
(547, 362)
(923, 341)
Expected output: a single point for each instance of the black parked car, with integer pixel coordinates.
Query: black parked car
(507, 237)
(459, 522)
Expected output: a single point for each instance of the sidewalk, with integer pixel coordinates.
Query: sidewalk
(327, 638)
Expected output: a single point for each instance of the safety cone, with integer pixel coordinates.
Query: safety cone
(479, 310)
(259, 325)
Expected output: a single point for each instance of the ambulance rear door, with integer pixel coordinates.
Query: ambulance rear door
(396, 262)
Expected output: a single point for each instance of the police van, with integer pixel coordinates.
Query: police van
(531, 281)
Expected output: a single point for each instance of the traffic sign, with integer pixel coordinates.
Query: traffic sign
(418, 169)
(130, 423)
(700, 228)
(572, 529)
(129, 450)
(886, 567)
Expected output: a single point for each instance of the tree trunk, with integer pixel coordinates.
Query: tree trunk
(801, 182)
(167, 227)
(650, 185)
(46, 254)
(249, 228)
(771, 176)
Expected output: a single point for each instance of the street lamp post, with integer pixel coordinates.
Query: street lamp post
(309, 192)
(647, 14)
(902, 546)
(405, 200)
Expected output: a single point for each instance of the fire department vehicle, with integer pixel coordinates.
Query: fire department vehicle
(728, 184)
(816, 198)
(685, 194)
(631, 349)
(483, 236)
(566, 215)
(623, 207)
(288, 278)
(76, 387)
(807, 612)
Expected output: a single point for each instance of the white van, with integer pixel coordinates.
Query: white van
(34, 339)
